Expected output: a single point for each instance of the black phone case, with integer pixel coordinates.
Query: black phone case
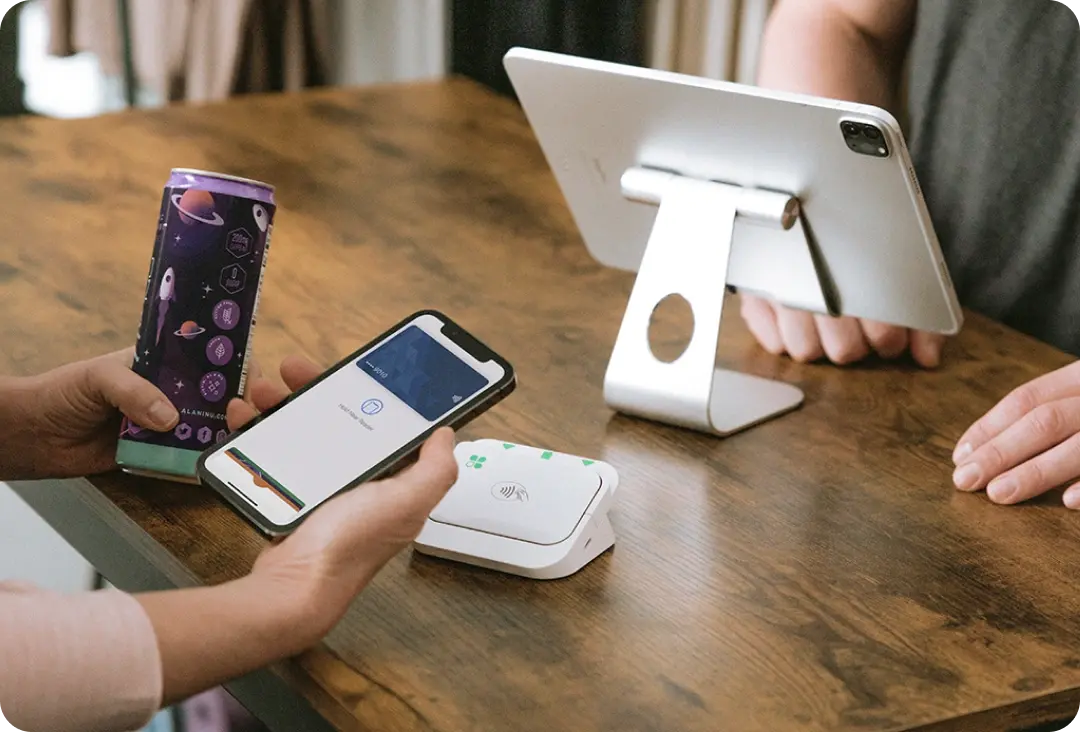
(494, 394)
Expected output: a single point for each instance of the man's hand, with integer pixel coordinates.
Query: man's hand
(807, 337)
(1026, 445)
(66, 422)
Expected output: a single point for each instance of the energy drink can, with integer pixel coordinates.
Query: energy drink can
(202, 292)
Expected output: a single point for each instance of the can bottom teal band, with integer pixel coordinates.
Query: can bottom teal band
(168, 461)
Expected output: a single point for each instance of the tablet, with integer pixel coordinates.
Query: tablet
(847, 164)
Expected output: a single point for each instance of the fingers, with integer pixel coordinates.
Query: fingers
(266, 394)
(842, 339)
(297, 372)
(1072, 498)
(239, 413)
(926, 349)
(392, 511)
(760, 318)
(254, 373)
(1060, 384)
(800, 335)
(1038, 431)
(888, 341)
(111, 380)
(1038, 475)
(125, 356)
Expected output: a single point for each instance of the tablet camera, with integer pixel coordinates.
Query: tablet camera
(865, 139)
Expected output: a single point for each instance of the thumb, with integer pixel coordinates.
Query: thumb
(406, 499)
(429, 479)
(110, 381)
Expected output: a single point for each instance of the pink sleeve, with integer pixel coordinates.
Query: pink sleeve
(81, 663)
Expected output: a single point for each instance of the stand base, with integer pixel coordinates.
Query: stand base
(741, 401)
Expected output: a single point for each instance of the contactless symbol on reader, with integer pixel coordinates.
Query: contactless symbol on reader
(371, 407)
(476, 461)
(510, 491)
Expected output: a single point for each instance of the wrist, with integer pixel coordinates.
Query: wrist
(288, 613)
(209, 635)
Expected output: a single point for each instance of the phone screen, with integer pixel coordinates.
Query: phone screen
(352, 420)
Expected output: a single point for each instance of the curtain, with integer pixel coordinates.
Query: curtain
(720, 39)
(11, 86)
(200, 50)
(482, 31)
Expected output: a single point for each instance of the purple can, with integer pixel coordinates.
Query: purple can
(199, 308)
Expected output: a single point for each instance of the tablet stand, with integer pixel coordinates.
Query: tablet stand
(688, 254)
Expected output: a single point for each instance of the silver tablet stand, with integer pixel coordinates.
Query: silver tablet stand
(688, 254)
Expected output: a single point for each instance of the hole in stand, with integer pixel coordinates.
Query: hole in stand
(670, 328)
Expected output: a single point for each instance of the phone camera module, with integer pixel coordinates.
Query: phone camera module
(865, 139)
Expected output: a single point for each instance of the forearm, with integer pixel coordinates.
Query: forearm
(811, 47)
(210, 635)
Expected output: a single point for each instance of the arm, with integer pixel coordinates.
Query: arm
(852, 50)
(209, 635)
(83, 662)
(107, 660)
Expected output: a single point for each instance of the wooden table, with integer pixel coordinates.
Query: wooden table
(816, 573)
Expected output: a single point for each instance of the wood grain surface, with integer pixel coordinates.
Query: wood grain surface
(816, 573)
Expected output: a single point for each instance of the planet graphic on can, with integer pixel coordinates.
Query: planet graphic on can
(189, 329)
(197, 206)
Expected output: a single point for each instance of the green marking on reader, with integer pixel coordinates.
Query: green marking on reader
(507, 446)
(588, 462)
(546, 456)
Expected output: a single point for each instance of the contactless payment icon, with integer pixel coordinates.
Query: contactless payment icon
(510, 491)
(371, 407)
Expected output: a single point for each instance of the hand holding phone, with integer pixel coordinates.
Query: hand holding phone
(342, 546)
(299, 588)
(356, 422)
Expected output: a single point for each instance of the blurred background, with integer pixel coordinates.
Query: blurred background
(81, 58)
(77, 58)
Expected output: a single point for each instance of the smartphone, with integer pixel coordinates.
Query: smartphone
(360, 420)
(198, 314)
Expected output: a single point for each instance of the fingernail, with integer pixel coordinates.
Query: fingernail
(1001, 491)
(163, 414)
(962, 453)
(967, 477)
(1072, 499)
